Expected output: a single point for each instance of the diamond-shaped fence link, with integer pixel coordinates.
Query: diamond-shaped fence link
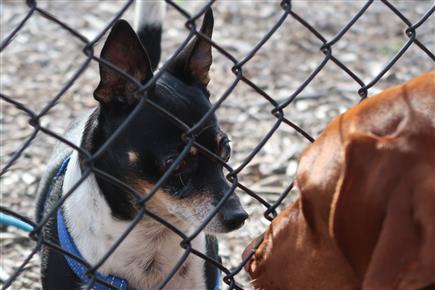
(189, 136)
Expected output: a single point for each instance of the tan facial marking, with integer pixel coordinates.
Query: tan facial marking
(161, 204)
(133, 156)
(161, 197)
(159, 200)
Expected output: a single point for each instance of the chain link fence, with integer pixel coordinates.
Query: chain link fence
(238, 64)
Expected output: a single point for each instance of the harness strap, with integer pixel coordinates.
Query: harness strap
(218, 281)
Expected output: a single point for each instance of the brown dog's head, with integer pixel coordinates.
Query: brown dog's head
(365, 218)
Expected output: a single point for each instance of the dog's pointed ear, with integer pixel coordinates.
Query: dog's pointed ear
(194, 61)
(123, 50)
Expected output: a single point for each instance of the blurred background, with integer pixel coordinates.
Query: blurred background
(43, 57)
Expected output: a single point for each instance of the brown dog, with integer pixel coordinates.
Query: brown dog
(366, 215)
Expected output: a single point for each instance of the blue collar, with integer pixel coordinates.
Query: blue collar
(67, 243)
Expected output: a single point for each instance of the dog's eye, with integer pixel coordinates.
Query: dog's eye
(181, 166)
(225, 149)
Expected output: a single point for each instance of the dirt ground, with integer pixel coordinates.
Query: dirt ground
(42, 57)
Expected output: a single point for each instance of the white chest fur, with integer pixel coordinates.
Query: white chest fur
(148, 253)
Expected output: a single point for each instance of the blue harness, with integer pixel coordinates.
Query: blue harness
(80, 270)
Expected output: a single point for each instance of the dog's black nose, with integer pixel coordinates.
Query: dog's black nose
(234, 218)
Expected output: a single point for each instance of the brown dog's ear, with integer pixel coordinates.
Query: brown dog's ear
(383, 211)
(194, 62)
(123, 50)
(358, 205)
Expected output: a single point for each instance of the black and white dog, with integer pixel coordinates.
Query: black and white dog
(97, 213)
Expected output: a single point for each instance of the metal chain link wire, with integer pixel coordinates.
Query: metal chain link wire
(190, 133)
